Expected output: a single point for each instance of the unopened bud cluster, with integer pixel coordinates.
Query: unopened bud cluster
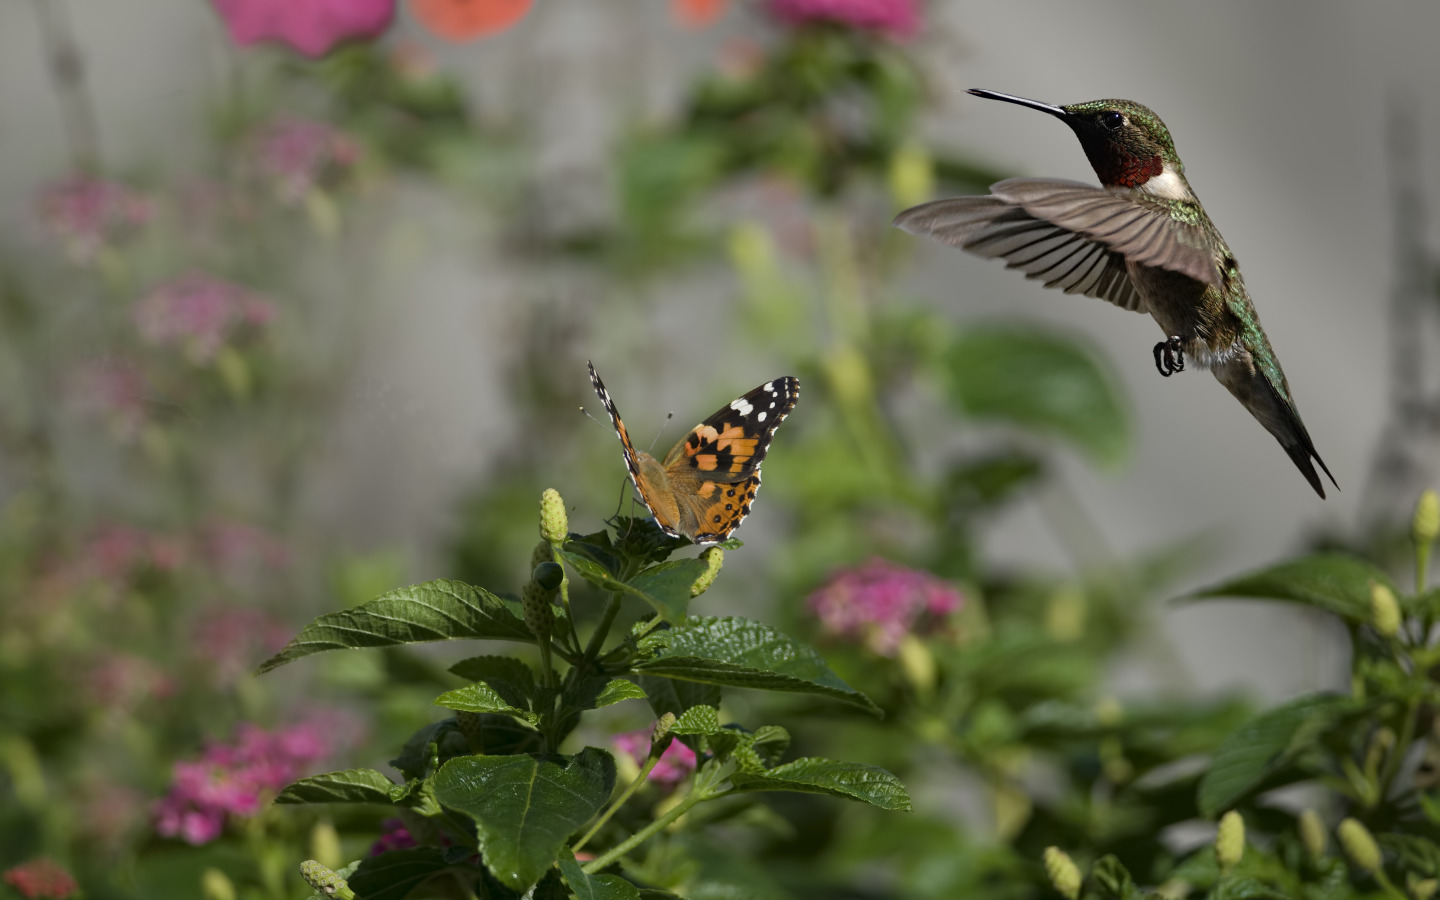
(1425, 527)
(1064, 875)
(1230, 841)
(1359, 845)
(1312, 834)
(535, 604)
(1384, 610)
(554, 524)
(325, 880)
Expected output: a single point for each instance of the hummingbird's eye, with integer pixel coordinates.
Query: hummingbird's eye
(1111, 119)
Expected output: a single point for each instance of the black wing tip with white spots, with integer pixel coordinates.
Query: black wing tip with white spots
(631, 463)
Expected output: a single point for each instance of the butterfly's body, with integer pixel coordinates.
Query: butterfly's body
(704, 486)
(1142, 241)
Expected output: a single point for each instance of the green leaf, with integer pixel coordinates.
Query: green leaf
(1245, 887)
(393, 875)
(525, 807)
(1329, 581)
(595, 887)
(511, 678)
(480, 698)
(697, 720)
(742, 653)
(1263, 745)
(349, 786)
(1042, 380)
(813, 775)
(599, 692)
(439, 610)
(1111, 880)
(666, 586)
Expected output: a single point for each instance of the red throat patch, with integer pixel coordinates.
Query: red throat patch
(1130, 171)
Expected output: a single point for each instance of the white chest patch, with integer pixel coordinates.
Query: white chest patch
(1168, 185)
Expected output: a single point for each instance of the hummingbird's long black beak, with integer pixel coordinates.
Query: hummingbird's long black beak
(1056, 111)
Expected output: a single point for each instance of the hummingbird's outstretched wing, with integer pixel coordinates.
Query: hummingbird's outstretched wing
(1072, 236)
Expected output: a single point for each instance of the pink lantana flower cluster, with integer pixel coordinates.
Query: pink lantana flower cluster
(200, 314)
(89, 214)
(878, 603)
(674, 765)
(897, 18)
(297, 155)
(235, 780)
(310, 26)
(113, 390)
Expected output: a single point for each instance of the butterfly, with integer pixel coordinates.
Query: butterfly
(704, 487)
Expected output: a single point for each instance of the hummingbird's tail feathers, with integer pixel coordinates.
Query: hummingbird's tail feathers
(1296, 441)
(996, 229)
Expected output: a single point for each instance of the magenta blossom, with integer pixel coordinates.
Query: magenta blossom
(879, 602)
(310, 26)
(89, 214)
(114, 390)
(200, 314)
(675, 764)
(393, 836)
(897, 18)
(235, 780)
(230, 640)
(298, 154)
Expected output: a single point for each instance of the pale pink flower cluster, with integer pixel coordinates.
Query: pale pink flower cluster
(232, 547)
(89, 214)
(114, 390)
(879, 602)
(117, 551)
(674, 765)
(298, 154)
(232, 640)
(897, 18)
(121, 682)
(199, 313)
(310, 26)
(235, 780)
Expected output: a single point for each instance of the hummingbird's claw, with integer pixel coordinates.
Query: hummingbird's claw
(1170, 356)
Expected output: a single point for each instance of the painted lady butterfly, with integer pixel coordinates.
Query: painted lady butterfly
(704, 487)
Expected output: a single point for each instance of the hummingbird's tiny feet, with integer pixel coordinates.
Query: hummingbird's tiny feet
(1170, 356)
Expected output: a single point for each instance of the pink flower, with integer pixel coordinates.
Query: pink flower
(393, 836)
(120, 683)
(310, 26)
(232, 641)
(88, 214)
(297, 154)
(41, 878)
(112, 389)
(199, 313)
(675, 764)
(234, 780)
(879, 602)
(898, 18)
(235, 546)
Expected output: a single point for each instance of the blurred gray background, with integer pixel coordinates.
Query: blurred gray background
(1278, 110)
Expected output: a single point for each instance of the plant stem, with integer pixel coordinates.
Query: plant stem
(1398, 752)
(597, 640)
(618, 802)
(644, 834)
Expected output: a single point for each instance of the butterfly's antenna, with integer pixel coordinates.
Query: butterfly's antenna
(590, 417)
(668, 416)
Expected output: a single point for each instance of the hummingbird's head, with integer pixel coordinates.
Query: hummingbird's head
(1126, 143)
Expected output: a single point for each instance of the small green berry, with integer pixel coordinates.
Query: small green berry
(549, 575)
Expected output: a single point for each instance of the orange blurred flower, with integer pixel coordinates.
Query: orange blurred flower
(698, 13)
(466, 20)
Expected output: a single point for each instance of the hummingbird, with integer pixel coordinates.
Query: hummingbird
(1141, 241)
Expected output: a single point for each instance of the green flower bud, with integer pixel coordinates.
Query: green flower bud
(1359, 844)
(1063, 873)
(1422, 888)
(549, 575)
(918, 664)
(1384, 610)
(1065, 615)
(542, 553)
(662, 728)
(1230, 841)
(214, 885)
(535, 604)
(714, 558)
(554, 524)
(325, 843)
(1425, 527)
(1312, 834)
(325, 880)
